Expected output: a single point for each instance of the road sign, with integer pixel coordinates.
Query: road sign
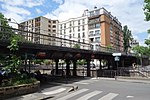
(117, 58)
(116, 54)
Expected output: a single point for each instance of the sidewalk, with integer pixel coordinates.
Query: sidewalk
(47, 91)
(128, 79)
(134, 79)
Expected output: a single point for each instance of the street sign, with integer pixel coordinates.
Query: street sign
(117, 58)
(116, 54)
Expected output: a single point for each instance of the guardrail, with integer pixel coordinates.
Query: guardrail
(47, 38)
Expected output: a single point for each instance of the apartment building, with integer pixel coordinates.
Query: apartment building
(40, 25)
(104, 30)
(74, 29)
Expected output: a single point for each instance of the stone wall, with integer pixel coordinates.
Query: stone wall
(11, 91)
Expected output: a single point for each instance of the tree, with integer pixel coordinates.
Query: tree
(6, 32)
(147, 9)
(77, 46)
(127, 37)
(147, 18)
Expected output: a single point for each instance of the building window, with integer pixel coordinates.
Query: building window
(36, 19)
(92, 13)
(78, 35)
(60, 26)
(49, 30)
(83, 28)
(96, 12)
(97, 25)
(97, 39)
(83, 40)
(83, 35)
(91, 26)
(54, 26)
(78, 28)
(78, 22)
(70, 24)
(64, 25)
(91, 33)
(70, 36)
(97, 32)
(78, 40)
(49, 21)
(54, 30)
(83, 21)
(70, 30)
(54, 22)
(49, 25)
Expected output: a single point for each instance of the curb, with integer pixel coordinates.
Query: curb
(45, 98)
(73, 88)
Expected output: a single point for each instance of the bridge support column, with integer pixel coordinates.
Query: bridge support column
(67, 67)
(88, 68)
(100, 66)
(25, 62)
(122, 62)
(29, 65)
(56, 66)
(74, 67)
(108, 61)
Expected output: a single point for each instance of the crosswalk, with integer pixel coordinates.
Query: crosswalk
(88, 94)
(85, 82)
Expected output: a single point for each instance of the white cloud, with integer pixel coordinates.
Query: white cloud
(26, 3)
(128, 12)
(38, 11)
(58, 1)
(15, 9)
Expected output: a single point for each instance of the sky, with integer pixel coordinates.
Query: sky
(128, 12)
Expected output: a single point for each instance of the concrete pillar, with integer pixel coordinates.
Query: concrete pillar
(25, 62)
(122, 61)
(100, 66)
(108, 63)
(29, 65)
(74, 67)
(67, 67)
(56, 66)
(88, 68)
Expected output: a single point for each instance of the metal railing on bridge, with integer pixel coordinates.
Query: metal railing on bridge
(48, 39)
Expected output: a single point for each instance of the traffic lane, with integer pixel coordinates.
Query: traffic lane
(127, 90)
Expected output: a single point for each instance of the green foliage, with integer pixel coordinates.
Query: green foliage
(24, 81)
(6, 32)
(3, 20)
(38, 61)
(13, 45)
(47, 62)
(147, 42)
(81, 62)
(109, 47)
(147, 9)
(127, 37)
(141, 50)
(77, 46)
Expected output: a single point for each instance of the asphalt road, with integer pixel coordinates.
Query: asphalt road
(98, 89)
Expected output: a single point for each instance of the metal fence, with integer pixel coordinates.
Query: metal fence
(48, 39)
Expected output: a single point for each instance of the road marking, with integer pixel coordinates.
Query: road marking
(72, 94)
(129, 96)
(81, 83)
(109, 96)
(54, 91)
(89, 95)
